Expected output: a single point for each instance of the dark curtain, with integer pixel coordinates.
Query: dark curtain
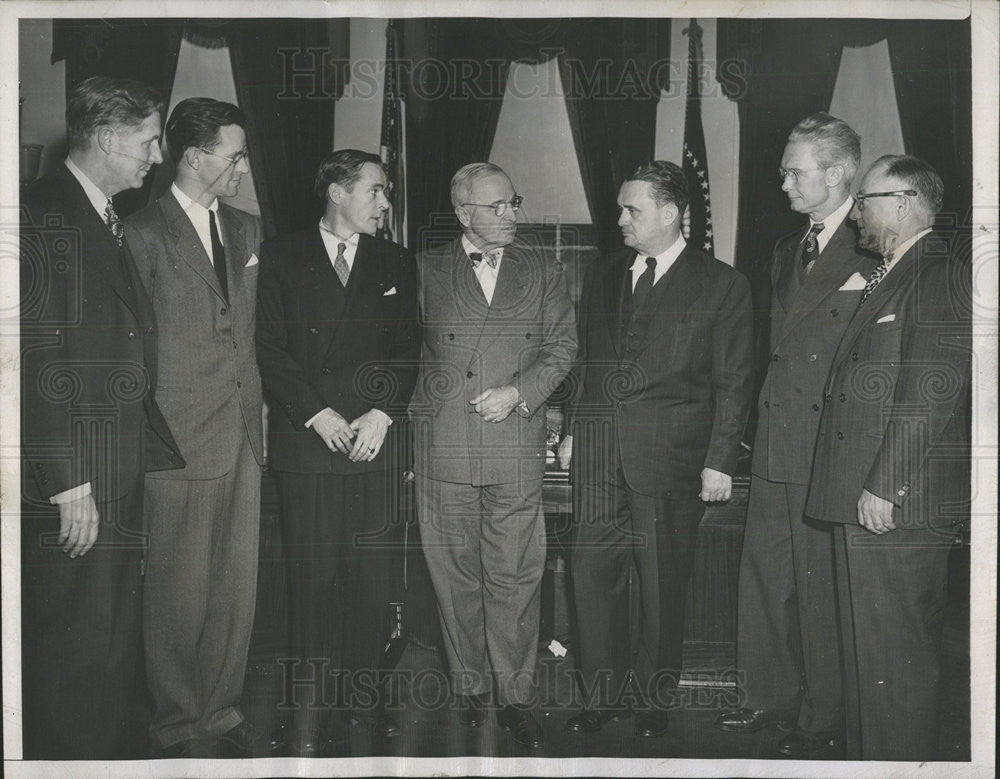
(142, 49)
(455, 78)
(288, 73)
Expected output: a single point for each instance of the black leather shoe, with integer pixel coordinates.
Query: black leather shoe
(592, 720)
(650, 724)
(245, 741)
(522, 726)
(752, 720)
(473, 709)
(811, 746)
(387, 725)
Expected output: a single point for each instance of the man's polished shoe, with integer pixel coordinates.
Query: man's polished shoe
(522, 725)
(245, 741)
(592, 720)
(650, 724)
(473, 709)
(752, 720)
(387, 726)
(811, 746)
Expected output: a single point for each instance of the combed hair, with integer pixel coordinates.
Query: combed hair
(195, 123)
(916, 174)
(668, 182)
(101, 100)
(462, 181)
(834, 142)
(342, 167)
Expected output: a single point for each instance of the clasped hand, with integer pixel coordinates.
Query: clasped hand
(367, 433)
(496, 403)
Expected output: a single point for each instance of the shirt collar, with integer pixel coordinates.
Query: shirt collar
(97, 197)
(833, 222)
(470, 248)
(904, 247)
(351, 241)
(187, 204)
(666, 257)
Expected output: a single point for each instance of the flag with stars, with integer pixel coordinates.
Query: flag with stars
(392, 144)
(698, 219)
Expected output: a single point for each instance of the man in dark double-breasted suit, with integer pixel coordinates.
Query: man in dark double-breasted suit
(197, 258)
(338, 344)
(498, 338)
(788, 654)
(662, 389)
(90, 429)
(892, 464)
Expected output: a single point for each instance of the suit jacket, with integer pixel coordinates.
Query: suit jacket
(896, 415)
(671, 395)
(807, 324)
(208, 384)
(525, 338)
(88, 348)
(319, 344)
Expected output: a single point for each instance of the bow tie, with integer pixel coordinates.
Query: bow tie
(492, 258)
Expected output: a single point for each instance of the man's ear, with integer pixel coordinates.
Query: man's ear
(104, 137)
(670, 214)
(192, 156)
(903, 207)
(335, 193)
(834, 175)
(463, 216)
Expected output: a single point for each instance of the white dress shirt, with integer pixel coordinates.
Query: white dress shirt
(330, 241)
(198, 215)
(899, 251)
(664, 260)
(830, 225)
(485, 273)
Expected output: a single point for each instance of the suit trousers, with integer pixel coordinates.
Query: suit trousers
(614, 528)
(199, 598)
(788, 638)
(894, 590)
(485, 549)
(339, 548)
(81, 643)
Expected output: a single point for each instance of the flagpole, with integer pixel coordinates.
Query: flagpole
(695, 158)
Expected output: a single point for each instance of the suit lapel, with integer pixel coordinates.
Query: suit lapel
(617, 286)
(512, 281)
(236, 249)
(783, 289)
(187, 245)
(673, 295)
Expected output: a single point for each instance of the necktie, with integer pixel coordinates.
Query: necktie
(644, 284)
(114, 223)
(218, 255)
(340, 264)
(811, 251)
(877, 275)
(492, 257)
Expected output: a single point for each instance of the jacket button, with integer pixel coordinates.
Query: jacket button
(468, 374)
(222, 310)
(325, 370)
(840, 436)
(528, 336)
(516, 374)
(767, 404)
(901, 493)
(854, 356)
(775, 358)
(834, 312)
(812, 358)
(149, 331)
(314, 331)
(451, 336)
(815, 406)
(239, 384)
(843, 398)
(131, 335)
(828, 398)
(620, 404)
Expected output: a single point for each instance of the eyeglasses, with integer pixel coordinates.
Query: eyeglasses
(784, 173)
(234, 159)
(861, 197)
(500, 208)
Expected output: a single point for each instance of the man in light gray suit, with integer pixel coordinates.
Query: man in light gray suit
(499, 335)
(197, 258)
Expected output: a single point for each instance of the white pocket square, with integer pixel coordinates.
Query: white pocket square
(855, 282)
(886, 318)
(390, 292)
(252, 261)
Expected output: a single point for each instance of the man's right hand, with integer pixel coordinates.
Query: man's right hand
(565, 452)
(334, 430)
(78, 525)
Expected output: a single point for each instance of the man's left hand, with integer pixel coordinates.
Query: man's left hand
(496, 403)
(715, 485)
(371, 428)
(875, 513)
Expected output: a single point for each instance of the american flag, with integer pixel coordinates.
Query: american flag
(698, 219)
(392, 144)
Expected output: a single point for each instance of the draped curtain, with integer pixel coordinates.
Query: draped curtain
(455, 80)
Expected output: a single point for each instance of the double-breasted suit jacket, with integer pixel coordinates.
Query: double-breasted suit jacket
(524, 338)
(896, 423)
(201, 572)
(88, 369)
(670, 395)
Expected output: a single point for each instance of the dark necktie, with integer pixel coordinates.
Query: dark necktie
(810, 253)
(877, 275)
(114, 223)
(477, 257)
(644, 284)
(340, 264)
(218, 255)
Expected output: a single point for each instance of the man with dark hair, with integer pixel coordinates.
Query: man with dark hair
(90, 428)
(891, 471)
(197, 258)
(662, 387)
(787, 648)
(498, 339)
(337, 343)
